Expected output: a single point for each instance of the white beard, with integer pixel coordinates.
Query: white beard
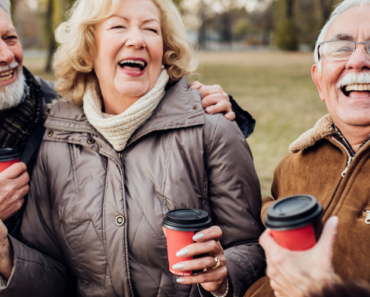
(13, 94)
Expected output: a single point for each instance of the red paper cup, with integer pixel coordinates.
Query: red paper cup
(292, 220)
(8, 156)
(300, 239)
(177, 240)
(180, 226)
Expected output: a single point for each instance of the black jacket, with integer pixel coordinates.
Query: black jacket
(29, 153)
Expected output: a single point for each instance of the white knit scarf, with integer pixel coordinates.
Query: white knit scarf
(118, 129)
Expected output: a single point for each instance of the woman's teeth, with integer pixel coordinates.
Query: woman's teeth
(358, 87)
(6, 75)
(134, 65)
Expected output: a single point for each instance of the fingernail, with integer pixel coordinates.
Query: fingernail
(182, 253)
(181, 280)
(210, 110)
(228, 117)
(198, 236)
(334, 220)
(178, 267)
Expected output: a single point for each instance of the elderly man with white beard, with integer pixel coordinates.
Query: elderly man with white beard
(23, 102)
(331, 162)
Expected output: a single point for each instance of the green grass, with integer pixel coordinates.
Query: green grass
(276, 88)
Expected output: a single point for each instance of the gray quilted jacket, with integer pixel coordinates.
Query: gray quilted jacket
(82, 191)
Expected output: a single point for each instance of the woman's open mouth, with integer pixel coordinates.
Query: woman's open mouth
(133, 67)
(356, 90)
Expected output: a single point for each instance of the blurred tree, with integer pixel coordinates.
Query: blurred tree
(13, 6)
(241, 28)
(286, 33)
(54, 12)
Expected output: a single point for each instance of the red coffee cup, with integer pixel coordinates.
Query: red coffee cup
(292, 221)
(8, 156)
(180, 226)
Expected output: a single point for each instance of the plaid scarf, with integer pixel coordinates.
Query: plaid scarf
(20, 120)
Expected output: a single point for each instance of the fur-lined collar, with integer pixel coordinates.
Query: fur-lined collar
(322, 129)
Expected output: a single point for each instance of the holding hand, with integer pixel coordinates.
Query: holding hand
(13, 187)
(214, 277)
(214, 99)
(297, 274)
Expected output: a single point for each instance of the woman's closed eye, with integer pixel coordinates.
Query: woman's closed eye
(118, 27)
(152, 30)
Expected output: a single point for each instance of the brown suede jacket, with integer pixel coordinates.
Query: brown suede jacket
(319, 164)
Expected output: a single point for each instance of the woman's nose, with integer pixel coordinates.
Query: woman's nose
(135, 39)
(360, 59)
(6, 55)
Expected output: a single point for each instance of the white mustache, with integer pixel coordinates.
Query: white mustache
(354, 78)
(9, 67)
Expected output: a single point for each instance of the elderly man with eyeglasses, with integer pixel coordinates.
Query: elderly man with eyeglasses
(331, 161)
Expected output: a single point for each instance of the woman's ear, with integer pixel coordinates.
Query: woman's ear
(316, 75)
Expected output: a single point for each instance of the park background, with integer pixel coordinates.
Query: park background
(259, 51)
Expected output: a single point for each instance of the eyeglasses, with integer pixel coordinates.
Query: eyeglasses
(339, 50)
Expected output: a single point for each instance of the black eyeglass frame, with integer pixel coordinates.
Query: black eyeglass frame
(359, 42)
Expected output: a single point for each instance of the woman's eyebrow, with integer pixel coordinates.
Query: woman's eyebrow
(127, 19)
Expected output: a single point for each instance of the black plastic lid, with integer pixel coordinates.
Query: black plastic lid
(293, 212)
(187, 219)
(9, 154)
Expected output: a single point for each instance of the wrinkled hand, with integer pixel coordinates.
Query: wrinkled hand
(13, 188)
(6, 253)
(296, 274)
(214, 99)
(207, 242)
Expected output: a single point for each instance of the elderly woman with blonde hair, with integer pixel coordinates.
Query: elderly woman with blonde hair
(128, 143)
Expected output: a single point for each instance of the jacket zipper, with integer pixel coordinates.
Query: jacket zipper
(350, 158)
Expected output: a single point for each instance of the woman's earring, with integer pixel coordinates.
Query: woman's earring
(162, 66)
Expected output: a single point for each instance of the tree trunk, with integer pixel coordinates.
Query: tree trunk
(326, 7)
(202, 28)
(50, 35)
(289, 9)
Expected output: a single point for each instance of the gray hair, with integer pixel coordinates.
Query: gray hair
(5, 5)
(342, 7)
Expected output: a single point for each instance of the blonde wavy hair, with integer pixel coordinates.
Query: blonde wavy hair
(76, 37)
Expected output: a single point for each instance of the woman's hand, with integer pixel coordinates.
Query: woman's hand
(297, 274)
(214, 99)
(207, 243)
(6, 253)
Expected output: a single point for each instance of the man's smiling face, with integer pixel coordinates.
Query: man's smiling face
(11, 60)
(345, 85)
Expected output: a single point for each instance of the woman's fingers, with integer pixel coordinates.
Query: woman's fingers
(207, 243)
(211, 247)
(212, 233)
(216, 276)
(199, 264)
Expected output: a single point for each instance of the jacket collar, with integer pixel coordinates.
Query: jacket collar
(322, 129)
(179, 108)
